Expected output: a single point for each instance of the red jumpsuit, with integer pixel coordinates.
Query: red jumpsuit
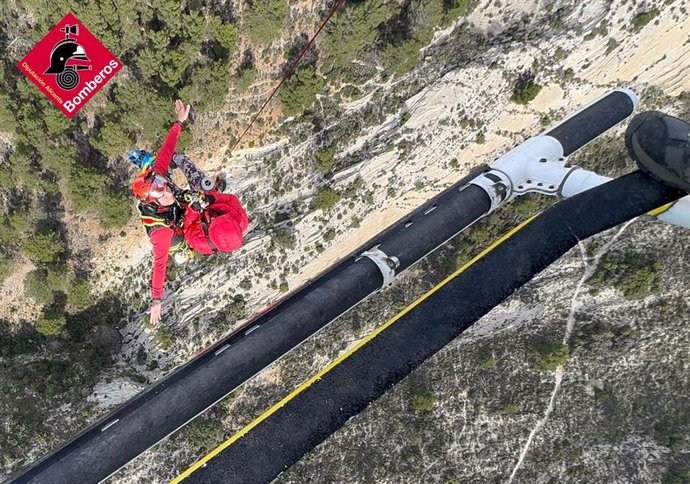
(225, 234)
(158, 226)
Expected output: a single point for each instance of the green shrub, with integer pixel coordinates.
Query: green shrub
(56, 122)
(114, 209)
(458, 8)
(611, 45)
(547, 356)
(425, 16)
(424, 401)
(60, 158)
(284, 237)
(223, 33)
(300, 90)
(635, 274)
(354, 188)
(525, 89)
(354, 29)
(601, 29)
(7, 120)
(606, 156)
(480, 139)
(643, 18)
(265, 19)
(51, 325)
(37, 286)
(140, 111)
(601, 395)
(176, 62)
(245, 79)
(329, 235)
(325, 158)
(43, 247)
(79, 293)
(88, 190)
(12, 226)
(6, 266)
(490, 363)
(402, 57)
(677, 474)
(57, 278)
(85, 187)
(25, 170)
(113, 138)
(511, 409)
(207, 86)
(165, 337)
(6, 180)
(203, 434)
(325, 199)
(236, 309)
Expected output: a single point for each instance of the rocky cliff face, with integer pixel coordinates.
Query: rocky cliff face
(581, 376)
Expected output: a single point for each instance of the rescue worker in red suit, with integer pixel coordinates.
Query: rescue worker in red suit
(176, 220)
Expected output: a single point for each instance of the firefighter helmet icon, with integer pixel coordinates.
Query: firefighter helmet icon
(68, 50)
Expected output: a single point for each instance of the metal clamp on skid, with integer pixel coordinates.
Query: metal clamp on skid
(497, 186)
(386, 264)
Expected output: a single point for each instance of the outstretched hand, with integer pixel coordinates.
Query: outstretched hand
(155, 313)
(182, 111)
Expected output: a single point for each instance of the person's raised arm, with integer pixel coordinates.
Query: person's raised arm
(162, 163)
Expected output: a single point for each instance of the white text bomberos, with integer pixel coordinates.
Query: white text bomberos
(91, 86)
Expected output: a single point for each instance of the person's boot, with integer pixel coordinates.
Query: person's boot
(221, 184)
(181, 257)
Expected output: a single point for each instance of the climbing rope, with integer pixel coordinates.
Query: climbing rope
(332, 12)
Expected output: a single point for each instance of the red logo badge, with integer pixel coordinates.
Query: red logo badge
(69, 65)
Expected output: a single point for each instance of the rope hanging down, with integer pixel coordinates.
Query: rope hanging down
(334, 9)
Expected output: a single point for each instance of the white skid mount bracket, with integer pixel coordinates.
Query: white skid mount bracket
(386, 264)
(539, 165)
(535, 166)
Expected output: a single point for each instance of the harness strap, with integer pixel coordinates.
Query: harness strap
(152, 219)
(153, 222)
(204, 227)
(205, 221)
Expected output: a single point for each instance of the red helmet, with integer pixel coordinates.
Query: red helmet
(142, 184)
(149, 185)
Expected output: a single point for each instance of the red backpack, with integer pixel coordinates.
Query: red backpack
(212, 231)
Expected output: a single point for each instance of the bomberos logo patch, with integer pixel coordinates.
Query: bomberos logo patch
(69, 65)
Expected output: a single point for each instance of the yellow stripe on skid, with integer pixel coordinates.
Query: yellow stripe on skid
(345, 355)
(660, 210)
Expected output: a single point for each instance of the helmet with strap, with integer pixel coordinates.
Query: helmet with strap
(150, 186)
(141, 186)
